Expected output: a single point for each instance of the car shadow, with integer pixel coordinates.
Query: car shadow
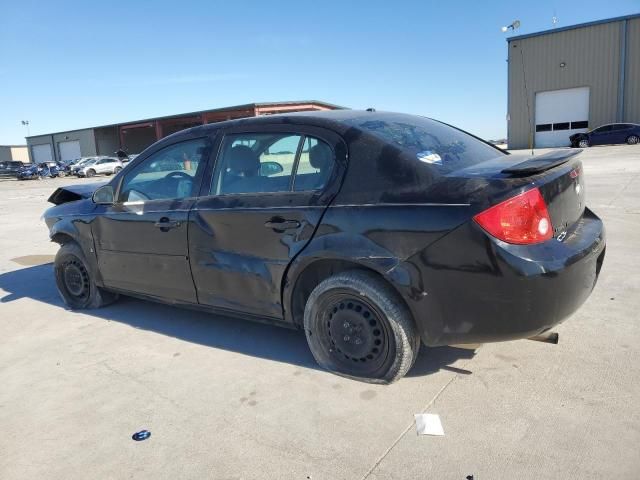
(246, 337)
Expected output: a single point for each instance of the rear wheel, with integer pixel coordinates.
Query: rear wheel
(357, 326)
(117, 169)
(91, 172)
(583, 143)
(633, 140)
(75, 282)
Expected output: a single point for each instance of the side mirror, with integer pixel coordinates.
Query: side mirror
(270, 168)
(104, 195)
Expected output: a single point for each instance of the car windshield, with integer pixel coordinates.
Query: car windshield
(445, 147)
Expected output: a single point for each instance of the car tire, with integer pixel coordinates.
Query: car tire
(91, 173)
(358, 327)
(75, 282)
(584, 143)
(62, 174)
(633, 140)
(117, 170)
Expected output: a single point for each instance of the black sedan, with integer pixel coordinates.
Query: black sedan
(372, 232)
(615, 133)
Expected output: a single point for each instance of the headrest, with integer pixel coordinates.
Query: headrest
(241, 159)
(320, 157)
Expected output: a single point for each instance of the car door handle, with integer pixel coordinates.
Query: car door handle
(282, 224)
(165, 224)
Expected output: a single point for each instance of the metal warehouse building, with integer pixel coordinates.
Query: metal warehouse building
(572, 79)
(135, 136)
(17, 153)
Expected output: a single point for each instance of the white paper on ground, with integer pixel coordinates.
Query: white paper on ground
(428, 424)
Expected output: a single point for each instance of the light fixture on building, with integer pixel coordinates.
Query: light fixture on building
(563, 64)
(514, 25)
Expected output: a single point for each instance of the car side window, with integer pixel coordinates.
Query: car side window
(315, 165)
(167, 174)
(271, 162)
(255, 163)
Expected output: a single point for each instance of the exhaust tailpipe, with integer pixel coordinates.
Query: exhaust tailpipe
(546, 337)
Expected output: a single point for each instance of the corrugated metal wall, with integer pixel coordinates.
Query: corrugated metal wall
(85, 137)
(632, 91)
(592, 58)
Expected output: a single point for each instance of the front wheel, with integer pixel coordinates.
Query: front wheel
(91, 173)
(584, 143)
(117, 170)
(633, 140)
(75, 281)
(357, 326)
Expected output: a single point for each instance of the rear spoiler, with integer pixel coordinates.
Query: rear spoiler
(540, 163)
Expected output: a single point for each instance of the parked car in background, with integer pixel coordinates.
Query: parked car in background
(612, 134)
(373, 232)
(99, 166)
(80, 162)
(39, 171)
(11, 168)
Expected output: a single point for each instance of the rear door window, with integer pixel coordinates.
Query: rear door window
(251, 163)
(314, 167)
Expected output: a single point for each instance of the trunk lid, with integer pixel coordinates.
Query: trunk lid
(558, 175)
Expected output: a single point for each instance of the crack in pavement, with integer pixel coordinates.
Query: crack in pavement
(404, 432)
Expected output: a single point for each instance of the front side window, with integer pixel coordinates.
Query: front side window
(167, 174)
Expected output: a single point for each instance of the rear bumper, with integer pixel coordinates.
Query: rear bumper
(484, 290)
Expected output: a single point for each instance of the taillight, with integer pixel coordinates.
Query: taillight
(522, 219)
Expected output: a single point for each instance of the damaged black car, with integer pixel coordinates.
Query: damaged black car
(373, 232)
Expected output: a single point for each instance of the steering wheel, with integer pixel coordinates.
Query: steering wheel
(179, 174)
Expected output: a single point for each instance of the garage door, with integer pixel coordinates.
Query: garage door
(42, 153)
(69, 150)
(560, 114)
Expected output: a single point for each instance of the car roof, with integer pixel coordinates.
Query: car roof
(331, 119)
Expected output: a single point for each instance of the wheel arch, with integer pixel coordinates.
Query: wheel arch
(62, 238)
(311, 272)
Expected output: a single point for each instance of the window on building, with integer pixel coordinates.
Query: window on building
(580, 124)
(561, 126)
(543, 127)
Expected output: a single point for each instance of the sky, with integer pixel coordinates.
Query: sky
(76, 64)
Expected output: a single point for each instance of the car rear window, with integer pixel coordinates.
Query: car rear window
(446, 148)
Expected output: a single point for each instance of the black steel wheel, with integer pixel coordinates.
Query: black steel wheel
(357, 326)
(76, 279)
(633, 140)
(75, 282)
(355, 332)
